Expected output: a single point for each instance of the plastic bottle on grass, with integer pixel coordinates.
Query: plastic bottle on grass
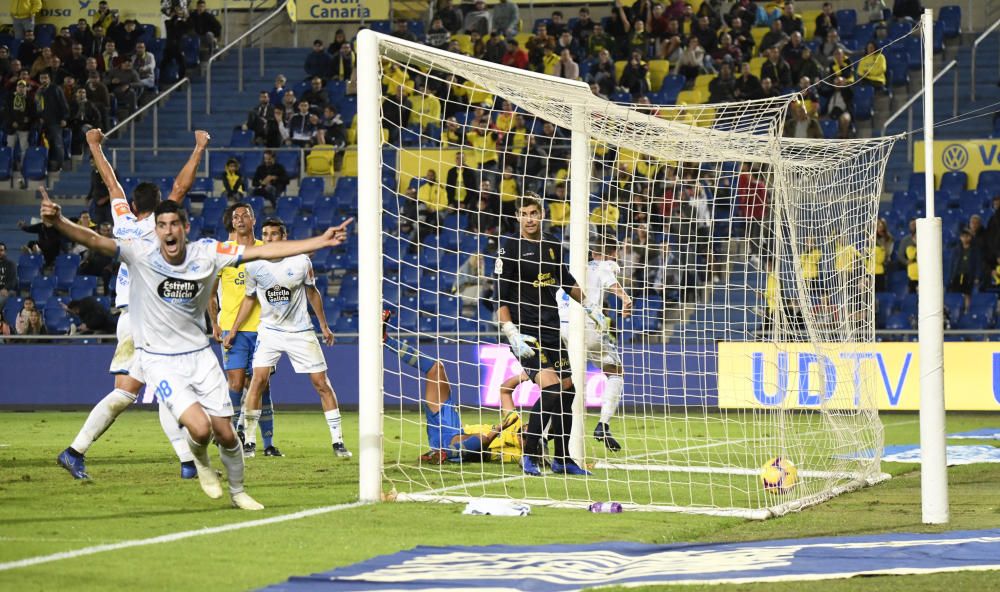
(606, 508)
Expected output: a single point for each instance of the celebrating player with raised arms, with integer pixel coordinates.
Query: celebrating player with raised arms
(531, 270)
(171, 282)
(130, 222)
(283, 286)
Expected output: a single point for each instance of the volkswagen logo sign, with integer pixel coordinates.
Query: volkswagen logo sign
(955, 157)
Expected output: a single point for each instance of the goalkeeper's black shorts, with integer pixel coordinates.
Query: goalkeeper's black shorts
(549, 353)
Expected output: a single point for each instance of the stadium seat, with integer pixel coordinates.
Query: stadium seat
(36, 163)
(12, 308)
(847, 20)
(83, 286)
(954, 182)
(658, 69)
(256, 203)
(166, 185)
(57, 320)
(288, 208)
(28, 267)
(672, 85)
(319, 161)
(289, 160)
(6, 163)
(311, 191)
(346, 325)
(241, 138)
(950, 18)
(302, 227)
(989, 181)
(42, 289)
(45, 34)
(829, 127)
(191, 47)
(864, 98)
(66, 267)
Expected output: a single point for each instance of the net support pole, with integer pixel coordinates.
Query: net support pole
(369, 270)
(579, 208)
(933, 456)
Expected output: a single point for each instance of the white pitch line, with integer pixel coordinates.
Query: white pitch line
(170, 538)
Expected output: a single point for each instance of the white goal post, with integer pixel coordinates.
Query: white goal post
(747, 256)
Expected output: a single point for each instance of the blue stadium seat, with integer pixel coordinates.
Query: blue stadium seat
(241, 138)
(914, 51)
(36, 163)
(864, 102)
(211, 213)
(191, 47)
(950, 18)
(898, 72)
(302, 227)
(45, 34)
(83, 286)
(916, 184)
(311, 191)
(900, 29)
(42, 289)
(28, 266)
(166, 185)
(249, 160)
(989, 181)
(12, 308)
(66, 267)
(954, 303)
(346, 324)
(409, 319)
(57, 320)
(829, 127)
(288, 208)
(6, 163)
(847, 20)
(289, 160)
(954, 182)
(862, 34)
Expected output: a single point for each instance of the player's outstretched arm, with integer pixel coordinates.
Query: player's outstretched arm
(316, 302)
(51, 214)
(95, 141)
(213, 311)
(622, 295)
(246, 305)
(335, 235)
(185, 178)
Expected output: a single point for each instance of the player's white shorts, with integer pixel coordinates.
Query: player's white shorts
(601, 351)
(302, 347)
(183, 380)
(126, 360)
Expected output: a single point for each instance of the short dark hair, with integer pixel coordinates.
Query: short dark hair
(146, 196)
(170, 207)
(274, 221)
(530, 199)
(227, 216)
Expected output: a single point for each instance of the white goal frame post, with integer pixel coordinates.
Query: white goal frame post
(587, 117)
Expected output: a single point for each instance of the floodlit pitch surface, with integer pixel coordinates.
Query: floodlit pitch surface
(136, 494)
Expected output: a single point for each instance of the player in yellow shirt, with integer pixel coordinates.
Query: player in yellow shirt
(226, 298)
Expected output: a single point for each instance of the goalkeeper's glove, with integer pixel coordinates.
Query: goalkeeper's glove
(596, 315)
(518, 343)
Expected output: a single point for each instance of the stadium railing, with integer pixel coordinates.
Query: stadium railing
(211, 169)
(153, 105)
(975, 48)
(907, 107)
(239, 42)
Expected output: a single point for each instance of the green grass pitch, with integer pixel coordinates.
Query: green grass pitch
(136, 493)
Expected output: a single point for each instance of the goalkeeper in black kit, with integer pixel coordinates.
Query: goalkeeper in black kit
(530, 270)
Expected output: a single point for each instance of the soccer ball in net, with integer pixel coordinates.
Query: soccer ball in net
(779, 475)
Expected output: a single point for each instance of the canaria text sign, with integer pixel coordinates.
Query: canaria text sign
(842, 376)
(969, 156)
(341, 10)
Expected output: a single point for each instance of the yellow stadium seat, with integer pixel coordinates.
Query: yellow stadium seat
(703, 80)
(756, 64)
(349, 168)
(523, 39)
(704, 117)
(692, 97)
(320, 161)
(809, 23)
(604, 215)
(416, 163)
(758, 34)
(657, 70)
(478, 95)
(559, 213)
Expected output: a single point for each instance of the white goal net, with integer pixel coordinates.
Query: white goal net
(746, 258)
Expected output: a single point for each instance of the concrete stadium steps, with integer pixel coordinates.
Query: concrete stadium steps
(229, 109)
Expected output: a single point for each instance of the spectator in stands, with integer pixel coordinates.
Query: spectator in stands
(318, 62)
(473, 280)
(841, 66)
(602, 73)
(801, 124)
(98, 199)
(537, 45)
(741, 36)
(317, 96)
(992, 232)
(289, 104)
(776, 38)
(276, 132)
(776, 69)
(567, 68)
(270, 178)
(437, 35)
(747, 85)
(5, 69)
(5, 328)
(144, 64)
(104, 17)
(331, 130)
(845, 127)
(108, 58)
(62, 45)
(277, 93)
(451, 16)
(29, 320)
(22, 13)
(692, 60)
(830, 46)
(52, 112)
(496, 47)
(907, 242)
(875, 9)
(809, 94)
(478, 19)
(722, 89)
(809, 67)
(872, 67)
(303, 126)
(126, 36)
(460, 182)
(790, 21)
(768, 90)
(396, 113)
(506, 18)
(907, 9)
(208, 28)
(826, 21)
(638, 40)
(83, 117)
(599, 41)
(177, 28)
(258, 118)
(339, 38)
(233, 185)
(8, 276)
(97, 264)
(124, 84)
(98, 95)
(343, 62)
(42, 62)
(966, 267)
(792, 52)
(706, 32)
(566, 41)
(840, 97)
(29, 50)
(727, 53)
(97, 41)
(94, 318)
(485, 214)
(18, 116)
(76, 65)
(83, 35)
(515, 57)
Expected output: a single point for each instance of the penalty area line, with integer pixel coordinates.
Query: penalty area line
(177, 536)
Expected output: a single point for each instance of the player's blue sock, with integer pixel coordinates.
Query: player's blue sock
(473, 444)
(266, 418)
(237, 398)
